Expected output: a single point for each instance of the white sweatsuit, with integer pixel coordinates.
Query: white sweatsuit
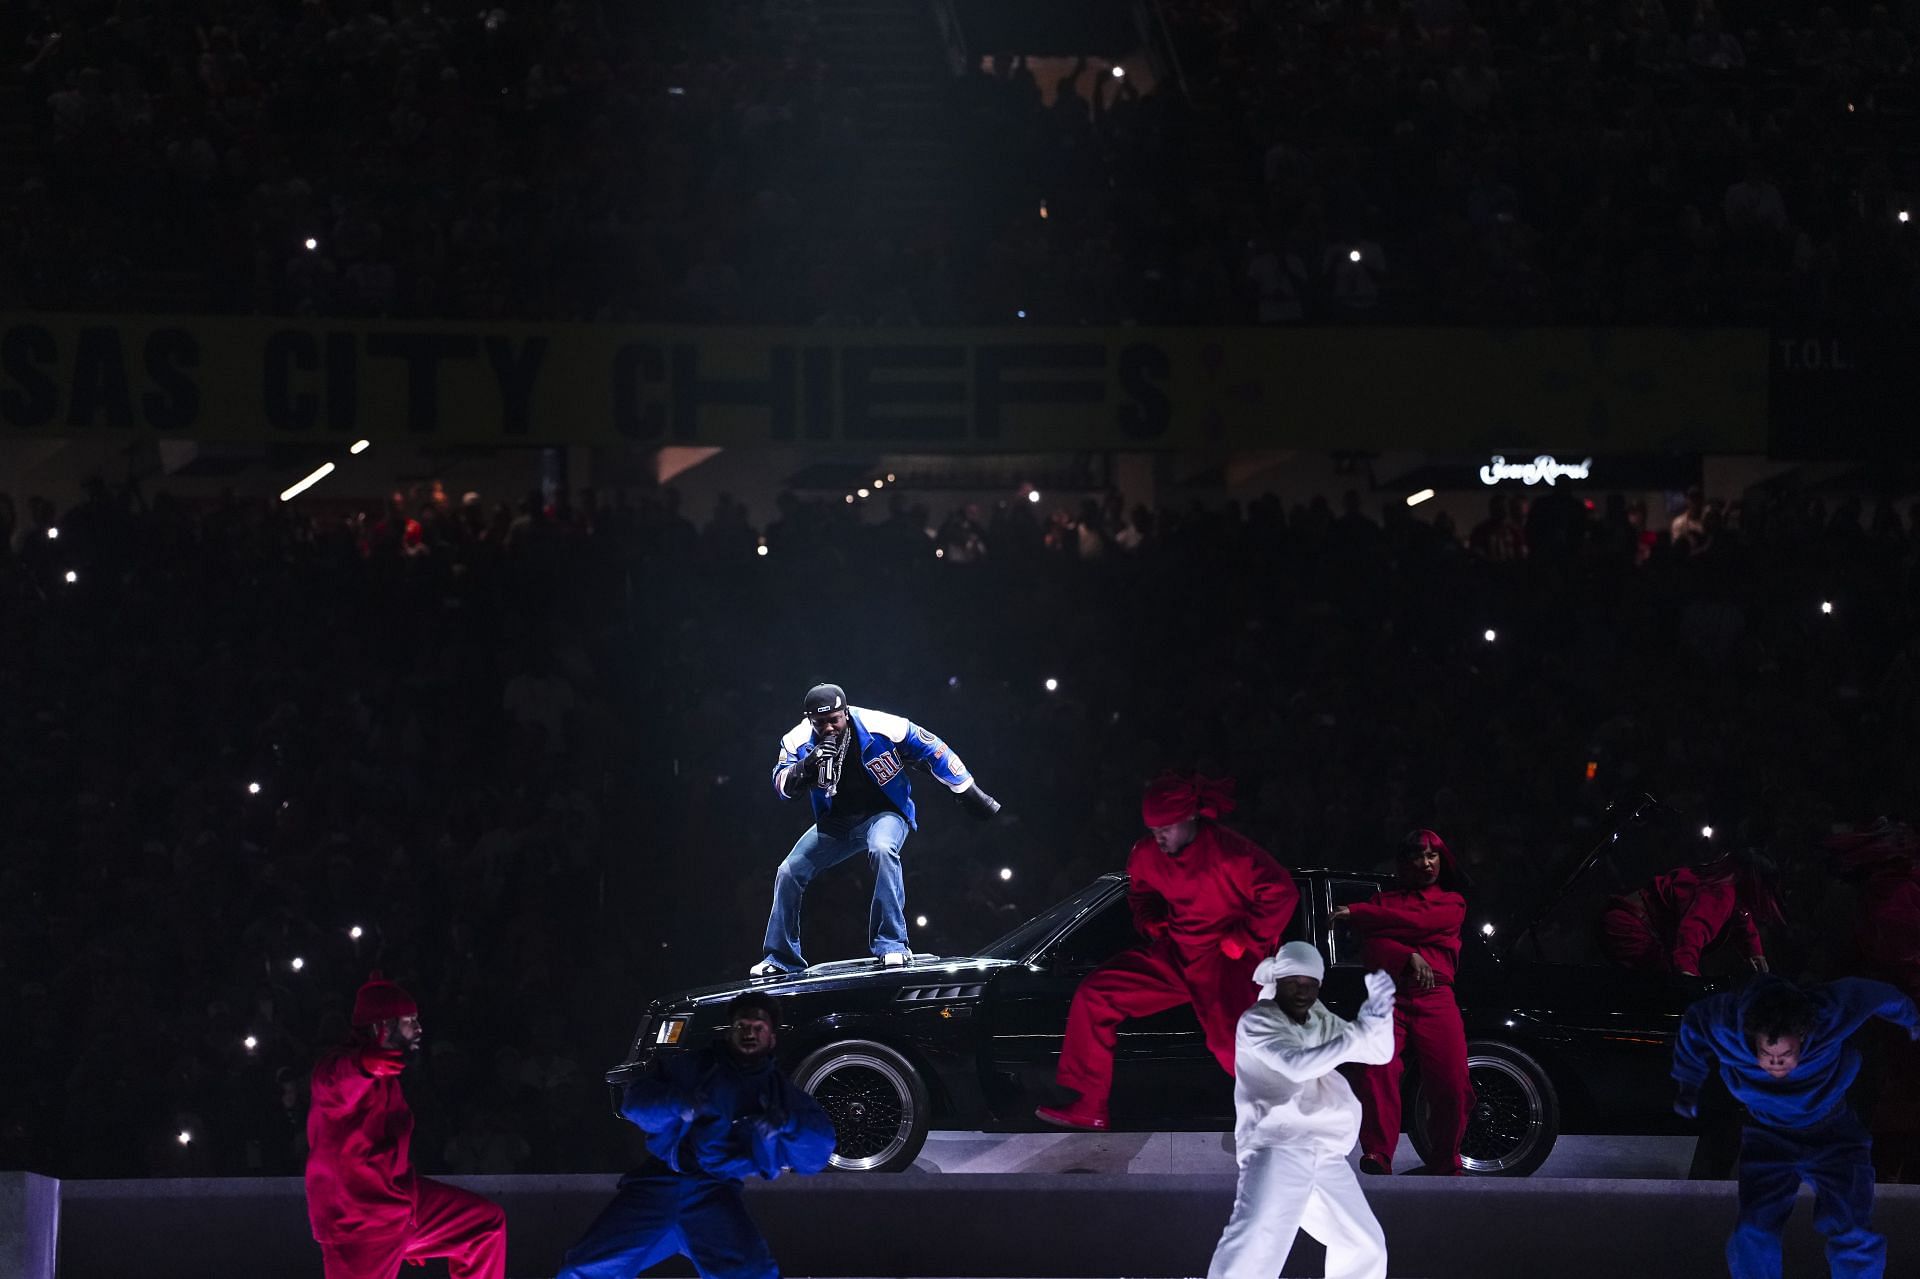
(1296, 1120)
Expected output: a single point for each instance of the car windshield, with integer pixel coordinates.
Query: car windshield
(1019, 943)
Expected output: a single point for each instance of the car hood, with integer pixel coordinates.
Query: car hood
(925, 970)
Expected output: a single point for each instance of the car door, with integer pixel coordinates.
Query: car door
(1164, 1075)
(1027, 1013)
(1605, 1033)
(1345, 986)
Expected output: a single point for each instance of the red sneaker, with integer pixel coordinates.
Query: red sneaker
(1068, 1119)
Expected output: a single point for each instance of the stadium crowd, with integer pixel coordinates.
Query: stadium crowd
(1436, 161)
(559, 159)
(518, 756)
(1613, 161)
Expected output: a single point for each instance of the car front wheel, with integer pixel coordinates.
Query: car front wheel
(1515, 1117)
(876, 1099)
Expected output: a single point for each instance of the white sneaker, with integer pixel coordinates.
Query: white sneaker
(896, 959)
(766, 968)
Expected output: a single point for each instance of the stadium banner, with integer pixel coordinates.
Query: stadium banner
(268, 380)
(1844, 395)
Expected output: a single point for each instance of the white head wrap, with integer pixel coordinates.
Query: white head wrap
(1296, 959)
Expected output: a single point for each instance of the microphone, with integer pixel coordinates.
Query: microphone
(832, 754)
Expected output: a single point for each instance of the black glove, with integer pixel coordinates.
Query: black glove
(801, 776)
(978, 802)
(1686, 1103)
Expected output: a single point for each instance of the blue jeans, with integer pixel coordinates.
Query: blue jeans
(654, 1216)
(1835, 1157)
(826, 845)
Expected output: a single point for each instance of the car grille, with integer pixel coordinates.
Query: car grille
(938, 994)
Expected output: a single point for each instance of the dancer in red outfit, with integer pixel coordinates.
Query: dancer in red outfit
(1211, 904)
(1886, 859)
(1669, 924)
(370, 1210)
(1412, 933)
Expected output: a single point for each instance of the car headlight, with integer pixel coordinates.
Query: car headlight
(670, 1031)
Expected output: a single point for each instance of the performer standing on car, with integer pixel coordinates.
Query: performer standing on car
(713, 1118)
(1667, 925)
(1784, 1055)
(851, 764)
(1295, 1119)
(369, 1210)
(1210, 903)
(1886, 858)
(1412, 932)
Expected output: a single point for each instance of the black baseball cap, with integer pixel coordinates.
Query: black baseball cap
(823, 699)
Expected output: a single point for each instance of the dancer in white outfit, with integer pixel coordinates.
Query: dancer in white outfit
(1296, 1120)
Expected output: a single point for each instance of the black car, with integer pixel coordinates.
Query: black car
(971, 1042)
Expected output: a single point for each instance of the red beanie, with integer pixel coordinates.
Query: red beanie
(382, 1000)
(1174, 797)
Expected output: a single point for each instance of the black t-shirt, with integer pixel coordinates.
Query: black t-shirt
(859, 796)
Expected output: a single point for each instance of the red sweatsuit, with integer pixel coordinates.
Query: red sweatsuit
(1669, 923)
(1890, 938)
(1396, 925)
(1222, 890)
(370, 1211)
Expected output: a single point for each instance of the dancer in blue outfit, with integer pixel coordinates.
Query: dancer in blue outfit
(713, 1118)
(1784, 1055)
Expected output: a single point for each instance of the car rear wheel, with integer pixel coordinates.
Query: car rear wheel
(1515, 1117)
(876, 1099)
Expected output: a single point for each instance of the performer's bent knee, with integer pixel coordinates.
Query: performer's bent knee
(1093, 996)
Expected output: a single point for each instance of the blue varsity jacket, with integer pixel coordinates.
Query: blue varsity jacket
(888, 744)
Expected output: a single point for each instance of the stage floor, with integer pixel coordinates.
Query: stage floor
(1665, 1158)
(1147, 1224)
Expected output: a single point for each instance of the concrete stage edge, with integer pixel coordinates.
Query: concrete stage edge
(29, 1225)
(990, 1225)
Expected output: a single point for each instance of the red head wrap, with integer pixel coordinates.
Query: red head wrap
(382, 1000)
(1173, 797)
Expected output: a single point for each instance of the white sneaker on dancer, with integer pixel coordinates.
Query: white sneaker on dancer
(766, 968)
(896, 959)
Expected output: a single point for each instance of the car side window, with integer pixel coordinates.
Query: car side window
(1296, 929)
(1345, 945)
(1098, 937)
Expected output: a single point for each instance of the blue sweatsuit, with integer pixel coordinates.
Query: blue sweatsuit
(712, 1120)
(1801, 1128)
